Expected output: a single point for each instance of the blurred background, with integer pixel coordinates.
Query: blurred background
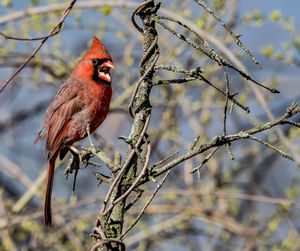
(249, 203)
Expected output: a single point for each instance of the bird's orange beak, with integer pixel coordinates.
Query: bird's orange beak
(108, 64)
(105, 73)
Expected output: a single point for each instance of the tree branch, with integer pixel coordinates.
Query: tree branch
(222, 140)
(55, 30)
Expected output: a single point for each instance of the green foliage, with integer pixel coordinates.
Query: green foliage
(106, 10)
(274, 224)
(247, 18)
(296, 43)
(254, 17)
(192, 108)
(218, 4)
(292, 193)
(275, 15)
(205, 117)
(233, 207)
(291, 243)
(200, 22)
(37, 22)
(257, 16)
(35, 2)
(268, 51)
(6, 3)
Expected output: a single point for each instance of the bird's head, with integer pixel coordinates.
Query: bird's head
(95, 64)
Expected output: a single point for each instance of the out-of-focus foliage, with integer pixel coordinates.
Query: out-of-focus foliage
(250, 203)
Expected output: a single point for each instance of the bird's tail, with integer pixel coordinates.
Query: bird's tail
(48, 194)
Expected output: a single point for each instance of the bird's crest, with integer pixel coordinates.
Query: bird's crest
(97, 50)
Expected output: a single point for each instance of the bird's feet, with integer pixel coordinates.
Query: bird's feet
(74, 162)
(76, 154)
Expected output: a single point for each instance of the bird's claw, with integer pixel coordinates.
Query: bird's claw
(76, 154)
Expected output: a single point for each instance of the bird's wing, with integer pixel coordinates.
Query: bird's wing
(60, 122)
(65, 104)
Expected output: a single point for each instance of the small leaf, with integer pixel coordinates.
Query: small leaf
(291, 193)
(258, 17)
(106, 10)
(6, 3)
(200, 23)
(206, 117)
(273, 224)
(268, 51)
(247, 18)
(296, 43)
(279, 56)
(275, 15)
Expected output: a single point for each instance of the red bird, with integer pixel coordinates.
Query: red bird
(82, 101)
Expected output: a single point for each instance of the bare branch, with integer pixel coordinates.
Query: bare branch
(196, 73)
(234, 36)
(31, 39)
(146, 205)
(126, 164)
(55, 30)
(222, 140)
(134, 184)
(208, 51)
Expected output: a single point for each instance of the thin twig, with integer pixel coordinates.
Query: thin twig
(14, 171)
(136, 181)
(226, 101)
(13, 220)
(89, 136)
(100, 232)
(196, 140)
(227, 28)
(212, 55)
(196, 74)
(285, 155)
(163, 160)
(157, 229)
(287, 121)
(147, 53)
(93, 163)
(102, 156)
(102, 178)
(239, 66)
(225, 112)
(135, 11)
(174, 81)
(51, 33)
(101, 238)
(106, 241)
(208, 157)
(222, 140)
(30, 39)
(126, 164)
(241, 196)
(137, 197)
(146, 205)
(138, 84)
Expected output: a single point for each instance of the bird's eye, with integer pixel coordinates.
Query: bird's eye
(94, 61)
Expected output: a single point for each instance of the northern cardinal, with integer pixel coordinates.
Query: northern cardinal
(82, 102)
